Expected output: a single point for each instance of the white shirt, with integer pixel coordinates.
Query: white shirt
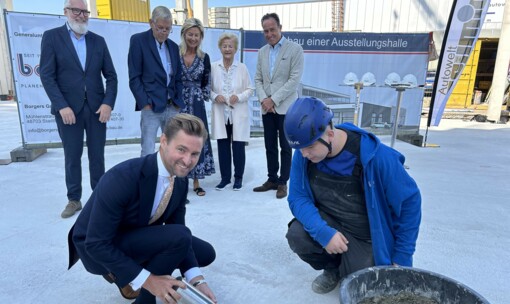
(164, 54)
(161, 186)
(228, 88)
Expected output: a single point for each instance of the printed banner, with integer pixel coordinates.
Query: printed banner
(335, 61)
(332, 62)
(462, 30)
(25, 33)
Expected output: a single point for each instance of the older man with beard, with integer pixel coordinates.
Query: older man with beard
(73, 61)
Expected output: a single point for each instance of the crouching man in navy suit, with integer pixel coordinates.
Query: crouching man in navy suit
(132, 229)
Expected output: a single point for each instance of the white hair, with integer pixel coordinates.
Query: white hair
(66, 3)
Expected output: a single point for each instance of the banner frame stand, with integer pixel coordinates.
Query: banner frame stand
(22, 153)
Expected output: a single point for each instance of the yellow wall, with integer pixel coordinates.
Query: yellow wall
(128, 10)
(463, 92)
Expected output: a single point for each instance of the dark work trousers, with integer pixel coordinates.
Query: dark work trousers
(87, 122)
(226, 148)
(163, 248)
(273, 132)
(358, 256)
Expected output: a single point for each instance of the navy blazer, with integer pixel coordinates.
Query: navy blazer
(63, 77)
(147, 76)
(122, 201)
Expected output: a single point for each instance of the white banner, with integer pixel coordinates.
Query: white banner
(464, 25)
(25, 33)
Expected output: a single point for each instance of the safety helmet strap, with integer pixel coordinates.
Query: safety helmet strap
(322, 141)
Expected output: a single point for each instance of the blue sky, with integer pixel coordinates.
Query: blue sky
(56, 6)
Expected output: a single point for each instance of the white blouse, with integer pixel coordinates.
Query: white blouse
(234, 81)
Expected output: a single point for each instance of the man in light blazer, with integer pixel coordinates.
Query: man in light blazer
(279, 70)
(71, 64)
(121, 234)
(155, 76)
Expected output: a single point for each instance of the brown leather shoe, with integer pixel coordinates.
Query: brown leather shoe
(266, 187)
(126, 292)
(281, 192)
(71, 208)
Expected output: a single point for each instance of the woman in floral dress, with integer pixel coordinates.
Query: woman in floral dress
(196, 70)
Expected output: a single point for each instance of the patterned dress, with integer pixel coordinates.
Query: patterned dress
(196, 92)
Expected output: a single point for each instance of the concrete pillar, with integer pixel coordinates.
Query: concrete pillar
(200, 11)
(6, 82)
(92, 8)
(6, 4)
(219, 17)
(501, 68)
(180, 12)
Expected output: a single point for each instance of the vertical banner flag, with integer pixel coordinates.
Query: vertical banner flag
(462, 30)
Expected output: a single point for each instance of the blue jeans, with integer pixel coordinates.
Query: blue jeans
(149, 124)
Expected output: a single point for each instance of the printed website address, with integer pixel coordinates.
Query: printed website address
(41, 130)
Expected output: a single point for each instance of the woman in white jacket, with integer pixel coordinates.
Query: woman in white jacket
(231, 88)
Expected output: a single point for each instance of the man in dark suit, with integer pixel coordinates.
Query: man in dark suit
(119, 233)
(279, 69)
(72, 61)
(155, 76)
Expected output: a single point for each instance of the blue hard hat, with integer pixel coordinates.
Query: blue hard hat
(306, 120)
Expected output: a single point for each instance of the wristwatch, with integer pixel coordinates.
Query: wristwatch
(199, 282)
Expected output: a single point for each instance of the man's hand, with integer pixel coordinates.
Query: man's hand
(67, 115)
(204, 288)
(337, 244)
(268, 104)
(105, 111)
(147, 107)
(162, 287)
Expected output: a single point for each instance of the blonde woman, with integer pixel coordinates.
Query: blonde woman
(231, 88)
(196, 69)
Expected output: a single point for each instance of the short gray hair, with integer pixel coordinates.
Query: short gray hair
(161, 12)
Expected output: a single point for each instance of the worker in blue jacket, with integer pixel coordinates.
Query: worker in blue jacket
(354, 203)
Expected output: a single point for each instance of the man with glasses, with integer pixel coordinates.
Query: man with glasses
(72, 66)
(155, 76)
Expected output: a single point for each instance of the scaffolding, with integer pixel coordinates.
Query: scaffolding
(337, 15)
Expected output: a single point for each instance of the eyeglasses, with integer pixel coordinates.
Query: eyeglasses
(163, 29)
(77, 11)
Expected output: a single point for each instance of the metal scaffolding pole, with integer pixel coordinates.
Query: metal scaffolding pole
(400, 90)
